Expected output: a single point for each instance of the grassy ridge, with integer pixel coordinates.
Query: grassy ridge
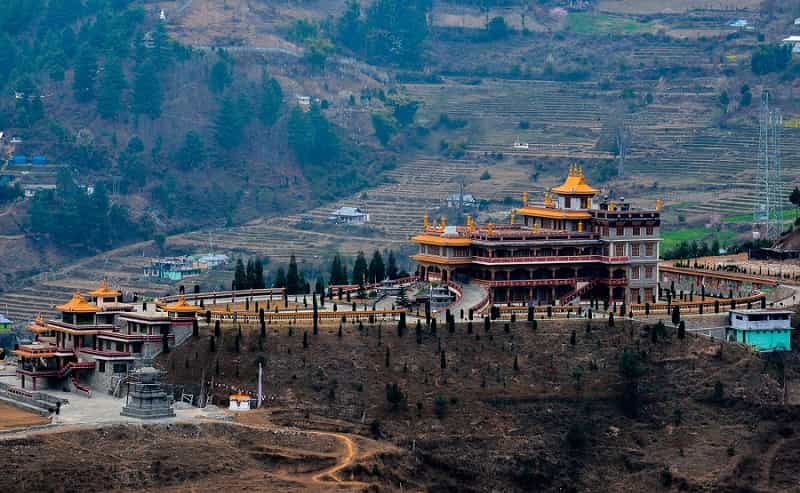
(674, 237)
(586, 23)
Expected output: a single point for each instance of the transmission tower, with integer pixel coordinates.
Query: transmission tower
(768, 210)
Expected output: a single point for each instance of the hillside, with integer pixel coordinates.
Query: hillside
(525, 409)
(565, 86)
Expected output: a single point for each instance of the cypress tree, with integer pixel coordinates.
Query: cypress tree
(315, 314)
(418, 332)
(305, 340)
(442, 360)
(401, 324)
(387, 357)
(487, 324)
(195, 328)
(212, 344)
(573, 338)
(217, 331)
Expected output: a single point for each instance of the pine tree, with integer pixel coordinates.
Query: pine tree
(220, 77)
(147, 92)
(359, 269)
(229, 124)
(270, 100)
(109, 100)
(376, 270)
(391, 266)
(239, 276)
(192, 153)
(85, 76)
(293, 284)
(258, 274)
(280, 278)
(162, 51)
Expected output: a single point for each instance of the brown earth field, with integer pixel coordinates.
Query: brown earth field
(700, 415)
(13, 417)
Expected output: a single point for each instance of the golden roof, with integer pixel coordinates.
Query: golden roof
(105, 292)
(77, 304)
(181, 306)
(432, 239)
(575, 184)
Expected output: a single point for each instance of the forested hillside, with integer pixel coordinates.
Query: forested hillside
(169, 137)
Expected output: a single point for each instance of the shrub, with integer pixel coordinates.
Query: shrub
(440, 406)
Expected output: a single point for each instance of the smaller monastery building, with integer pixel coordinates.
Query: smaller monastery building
(96, 342)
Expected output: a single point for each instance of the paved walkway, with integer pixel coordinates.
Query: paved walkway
(473, 294)
(104, 409)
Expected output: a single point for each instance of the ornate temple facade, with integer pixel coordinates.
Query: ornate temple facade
(574, 246)
(96, 342)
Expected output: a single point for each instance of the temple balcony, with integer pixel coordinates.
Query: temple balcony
(532, 282)
(550, 259)
(107, 354)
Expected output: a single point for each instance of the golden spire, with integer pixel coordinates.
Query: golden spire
(535, 227)
(580, 226)
(425, 221)
(612, 206)
(548, 200)
(524, 199)
(444, 222)
(658, 205)
(513, 216)
(490, 229)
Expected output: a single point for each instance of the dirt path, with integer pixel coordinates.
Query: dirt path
(349, 453)
(767, 460)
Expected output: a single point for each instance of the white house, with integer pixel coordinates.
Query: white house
(348, 215)
(466, 200)
(794, 41)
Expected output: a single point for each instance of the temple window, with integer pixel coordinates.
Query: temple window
(619, 249)
(634, 250)
(635, 272)
(636, 231)
(620, 230)
(101, 366)
(567, 202)
(648, 272)
(649, 230)
(649, 249)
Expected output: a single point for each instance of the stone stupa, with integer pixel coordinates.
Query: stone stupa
(146, 399)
